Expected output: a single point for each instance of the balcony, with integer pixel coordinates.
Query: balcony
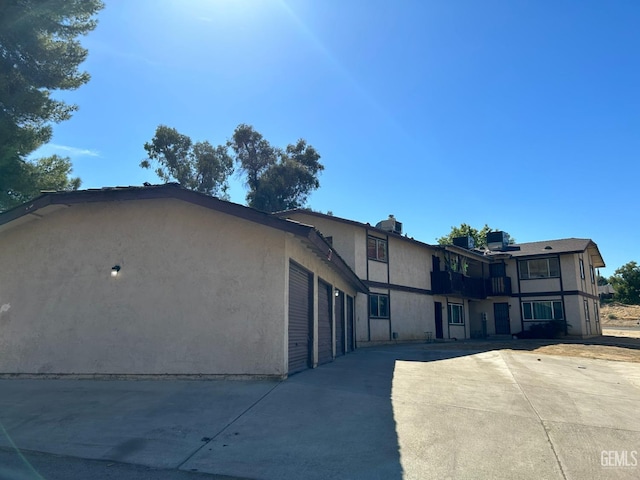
(451, 283)
(498, 286)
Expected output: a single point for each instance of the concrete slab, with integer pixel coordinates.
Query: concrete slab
(155, 423)
(398, 412)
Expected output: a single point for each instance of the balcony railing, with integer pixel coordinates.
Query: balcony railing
(498, 286)
(451, 283)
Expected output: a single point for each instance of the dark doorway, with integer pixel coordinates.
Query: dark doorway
(340, 324)
(501, 316)
(438, 311)
(325, 322)
(300, 318)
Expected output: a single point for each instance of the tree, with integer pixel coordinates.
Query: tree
(626, 282)
(464, 230)
(39, 54)
(277, 179)
(197, 166)
(47, 173)
(601, 281)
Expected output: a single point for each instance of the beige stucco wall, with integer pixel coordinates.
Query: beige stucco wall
(343, 235)
(411, 315)
(199, 292)
(409, 264)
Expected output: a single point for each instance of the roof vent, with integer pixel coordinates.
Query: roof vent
(497, 240)
(548, 247)
(390, 225)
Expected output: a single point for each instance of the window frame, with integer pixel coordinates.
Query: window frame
(582, 275)
(378, 302)
(553, 305)
(378, 242)
(525, 274)
(450, 319)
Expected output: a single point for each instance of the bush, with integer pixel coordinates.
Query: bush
(551, 329)
(612, 316)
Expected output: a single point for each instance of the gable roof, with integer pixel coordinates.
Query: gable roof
(368, 226)
(551, 247)
(50, 201)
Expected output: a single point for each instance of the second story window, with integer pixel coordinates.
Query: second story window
(377, 249)
(539, 268)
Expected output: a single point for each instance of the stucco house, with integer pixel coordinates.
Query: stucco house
(162, 280)
(419, 291)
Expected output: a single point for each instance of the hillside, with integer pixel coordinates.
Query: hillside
(619, 315)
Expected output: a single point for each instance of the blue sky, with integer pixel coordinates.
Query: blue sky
(524, 115)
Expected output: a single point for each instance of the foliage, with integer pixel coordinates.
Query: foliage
(464, 230)
(602, 281)
(39, 54)
(550, 329)
(197, 166)
(626, 282)
(277, 179)
(47, 173)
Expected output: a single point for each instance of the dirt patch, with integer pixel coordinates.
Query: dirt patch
(617, 345)
(600, 352)
(619, 315)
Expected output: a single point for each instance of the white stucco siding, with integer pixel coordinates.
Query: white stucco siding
(361, 318)
(343, 235)
(539, 285)
(409, 264)
(411, 315)
(570, 269)
(378, 271)
(198, 292)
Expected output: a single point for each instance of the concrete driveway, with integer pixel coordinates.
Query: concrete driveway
(401, 412)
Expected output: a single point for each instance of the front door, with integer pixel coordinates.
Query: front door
(501, 316)
(438, 311)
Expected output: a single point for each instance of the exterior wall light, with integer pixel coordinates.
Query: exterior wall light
(114, 270)
(337, 294)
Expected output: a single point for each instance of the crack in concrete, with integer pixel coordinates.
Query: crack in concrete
(542, 422)
(223, 429)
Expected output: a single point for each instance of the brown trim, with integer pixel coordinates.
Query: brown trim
(401, 288)
(557, 293)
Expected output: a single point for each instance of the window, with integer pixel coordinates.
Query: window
(581, 269)
(379, 305)
(539, 268)
(592, 273)
(595, 311)
(586, 311)
(377, 249)
(542, 310)
(456, 313)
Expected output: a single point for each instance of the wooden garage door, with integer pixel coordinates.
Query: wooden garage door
(325, 330)
(300, 318)
(340, 324)
(351, 343)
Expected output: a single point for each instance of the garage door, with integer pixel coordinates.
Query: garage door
(300, 318)
(351, 344)
(325, 330)
(340, 324)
